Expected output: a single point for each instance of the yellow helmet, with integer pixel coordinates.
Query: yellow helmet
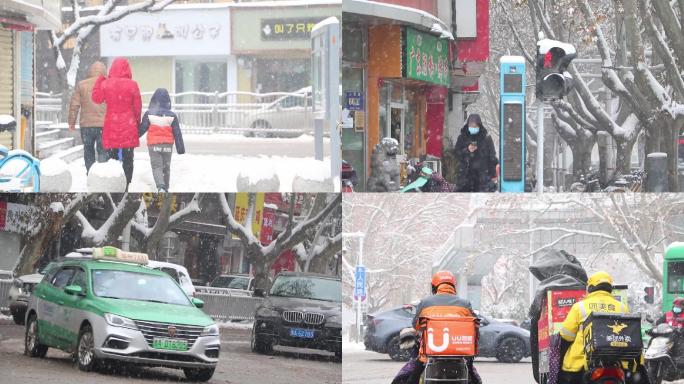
(600, 277)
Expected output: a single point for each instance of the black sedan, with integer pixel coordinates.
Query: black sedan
(506, 342)
(301, 310)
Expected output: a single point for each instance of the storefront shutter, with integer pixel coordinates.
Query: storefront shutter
(6, 81)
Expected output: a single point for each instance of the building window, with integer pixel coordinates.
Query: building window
(282, 75)
(200, 75)
(353, 43)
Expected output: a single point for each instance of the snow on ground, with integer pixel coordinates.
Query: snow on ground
(241, 139)
(350, 347)
(212, 173)
(234, 325)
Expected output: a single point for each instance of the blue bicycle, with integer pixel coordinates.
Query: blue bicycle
(19, 170)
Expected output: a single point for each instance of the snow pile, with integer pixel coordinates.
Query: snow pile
(258, 182)
(57, 206)
(7, 119)
(54, 175)
(211, 173)
(300, 184)
(350, 346)
(10, 184)
(107, 177)
(234, 325)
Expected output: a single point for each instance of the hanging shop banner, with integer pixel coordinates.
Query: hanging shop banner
(242, 209)
(171, 32)
(426, 58)
(288, 28)
(267, 226)
(18, 218)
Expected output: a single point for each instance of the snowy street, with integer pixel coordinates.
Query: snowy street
(237, 365)
(362, 366)
(213, 164)
(238, 145)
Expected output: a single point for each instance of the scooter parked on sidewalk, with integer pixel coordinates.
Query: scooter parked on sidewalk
(349, 178)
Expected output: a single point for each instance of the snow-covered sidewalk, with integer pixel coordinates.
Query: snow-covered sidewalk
(211, 173)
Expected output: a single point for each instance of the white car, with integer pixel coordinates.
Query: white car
(287, 116)
(177, 272)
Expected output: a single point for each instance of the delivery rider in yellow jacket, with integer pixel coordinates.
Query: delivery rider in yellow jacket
(599, 298)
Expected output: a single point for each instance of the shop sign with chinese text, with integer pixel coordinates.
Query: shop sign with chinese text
(426, 58)
(288, 28)
(171, 32)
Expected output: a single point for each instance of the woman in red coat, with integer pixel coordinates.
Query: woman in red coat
(120, 131)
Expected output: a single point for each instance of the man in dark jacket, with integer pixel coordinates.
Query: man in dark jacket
(476, 158)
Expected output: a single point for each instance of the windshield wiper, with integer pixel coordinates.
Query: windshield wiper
(154, 301)
(110, 297)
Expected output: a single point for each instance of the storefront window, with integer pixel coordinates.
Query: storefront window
(410, 147)
(200, 76)
(353, 43)
(397, 93)
(395, 125)
(382, 110)
(283, 75)
(353, 137)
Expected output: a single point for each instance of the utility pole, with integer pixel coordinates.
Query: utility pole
(358, 299)
(126, 238)
(553, 83)
(540, 146)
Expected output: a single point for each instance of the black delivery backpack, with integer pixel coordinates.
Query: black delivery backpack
(612, 336)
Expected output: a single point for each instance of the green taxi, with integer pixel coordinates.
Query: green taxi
(112, 307)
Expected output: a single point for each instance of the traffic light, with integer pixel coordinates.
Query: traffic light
(649, 295)
(553, 58)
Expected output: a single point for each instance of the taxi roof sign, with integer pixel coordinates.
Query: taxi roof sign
(114, 254)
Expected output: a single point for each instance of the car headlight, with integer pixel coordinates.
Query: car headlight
(337, 319)
(210, 330)
(119, 321)
(267, 312)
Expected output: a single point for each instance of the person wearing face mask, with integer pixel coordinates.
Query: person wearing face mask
(476, 157)
(675, 317)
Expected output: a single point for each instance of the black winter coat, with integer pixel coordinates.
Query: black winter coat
(475, 170)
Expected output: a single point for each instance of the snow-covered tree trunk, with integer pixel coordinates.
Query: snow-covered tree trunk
(44, 221)
(122, 214)
(650, 86)
(297, 231)
(149, 238)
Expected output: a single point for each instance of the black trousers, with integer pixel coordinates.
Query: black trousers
(414, 378)
(565, 377)
(125, 155)
(92, 142)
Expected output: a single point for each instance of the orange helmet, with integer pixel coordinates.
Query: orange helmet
(443, 277)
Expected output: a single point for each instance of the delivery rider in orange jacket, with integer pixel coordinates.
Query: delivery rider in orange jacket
(442, 303)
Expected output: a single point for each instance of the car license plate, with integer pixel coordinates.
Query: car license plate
(170, 344)
(302, 333)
